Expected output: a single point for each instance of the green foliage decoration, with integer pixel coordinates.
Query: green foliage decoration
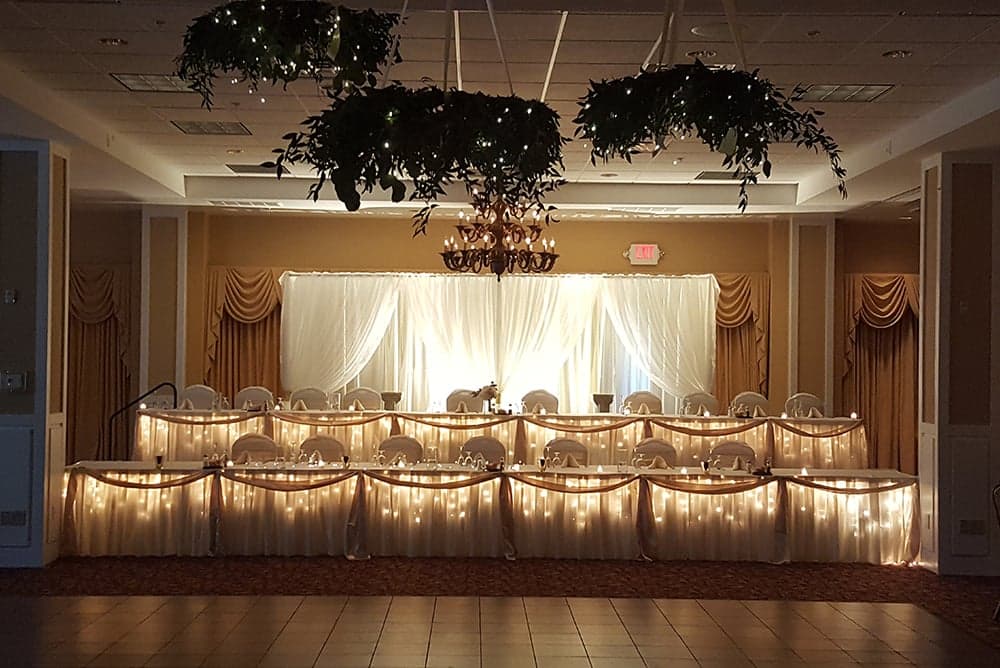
(506, 151)
(267, 41)
(734, 112)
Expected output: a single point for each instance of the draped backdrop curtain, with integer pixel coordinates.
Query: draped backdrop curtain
(98, 378)
(742, 336)
(880, 371)
(242, 329)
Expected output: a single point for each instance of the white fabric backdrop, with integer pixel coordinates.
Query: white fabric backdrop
(570, 334)
(331, 325)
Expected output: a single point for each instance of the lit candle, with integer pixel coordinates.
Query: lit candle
(707, 414)
(854, 415)
(784, 415)
(804, 471)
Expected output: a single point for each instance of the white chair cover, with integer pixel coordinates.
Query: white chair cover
(803, 404)
(365, 398)
(637, 400)
(490, 448)
(467, 397)
(754, 401)
(197, 397)
(537, 399)
(564, 447)
(313, 398)
(330, 449)
(254, 448)
(650, 448)
(699, 402)
(728, 451)
(393, 446)
(254, 396)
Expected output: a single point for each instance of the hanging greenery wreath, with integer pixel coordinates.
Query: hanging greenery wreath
(505, 150)
(267, 41)
(734, 112)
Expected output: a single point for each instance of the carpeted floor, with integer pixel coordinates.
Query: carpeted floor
(967, 602)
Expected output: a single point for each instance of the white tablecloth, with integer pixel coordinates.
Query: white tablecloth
(130, 509)
(814, 443)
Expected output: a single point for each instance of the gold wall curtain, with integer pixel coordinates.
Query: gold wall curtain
(880, 372)
(98, 382)
(243, 329)
(742, 318)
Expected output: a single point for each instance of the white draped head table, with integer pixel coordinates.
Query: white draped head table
(128, 508)
(793, 443)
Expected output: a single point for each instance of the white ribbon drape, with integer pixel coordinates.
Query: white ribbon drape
(667, 324)
(331, 325)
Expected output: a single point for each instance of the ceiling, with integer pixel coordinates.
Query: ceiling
(60, 78)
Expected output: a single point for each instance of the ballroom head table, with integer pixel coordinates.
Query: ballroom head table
(603, 512)
(832, 443)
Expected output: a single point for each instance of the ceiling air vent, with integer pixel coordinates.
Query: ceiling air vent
(841, 92)
(211, 127)
(716, 176)
(152, 83)
(255, 169)
(245, 203)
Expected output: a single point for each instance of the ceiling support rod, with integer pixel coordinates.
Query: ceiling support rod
(458, 50)
(496, 35)
(730, 8)
(552, 58)
(395, 43)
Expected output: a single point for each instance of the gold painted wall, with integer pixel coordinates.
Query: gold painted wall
(162, 300)
(812, 326)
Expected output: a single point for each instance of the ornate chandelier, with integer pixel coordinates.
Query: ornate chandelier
(499, 240)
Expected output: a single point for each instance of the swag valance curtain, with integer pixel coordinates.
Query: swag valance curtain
(465, 331)
(880, 369)
(98, 373)
(743, 318)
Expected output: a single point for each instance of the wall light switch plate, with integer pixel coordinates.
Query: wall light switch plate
(13, 381)
(9, 296)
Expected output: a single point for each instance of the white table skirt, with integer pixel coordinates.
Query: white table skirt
(657, 514)
(187, 435)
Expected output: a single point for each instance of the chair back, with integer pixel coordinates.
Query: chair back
(754, 402)
(313, 398)
(254, 448)
(455, 400)
(490, 448)
(728, 451)
(407, 446)
(804, 404)
(255, 396)
(197, 397)
(329, 449)
(568, 446)
(649, 449)
(644, 401)
(699, 402)
(364, 398)
(535, 400)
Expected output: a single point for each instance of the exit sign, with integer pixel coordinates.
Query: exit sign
(643, 254)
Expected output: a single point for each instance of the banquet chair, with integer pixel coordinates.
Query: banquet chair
(453, 404)
(490, 448)
(364, 397)
(637, 400)
(564, 447)
(649, 449)
(802, 404)
(313, 398)
(699, 402)
(254, 448)
(329, 449)
(755, 402)
(197, 397)
(254, 396)
(409, 447)
(727, 452)
(536, 400)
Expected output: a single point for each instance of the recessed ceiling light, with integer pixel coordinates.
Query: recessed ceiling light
(702, 54)
(897, 54)
(113, 41)
(814, 33)
(152, 83)
(211, 127)
(234, 151)
(678, 160)
(609, 175)
(719, 31)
